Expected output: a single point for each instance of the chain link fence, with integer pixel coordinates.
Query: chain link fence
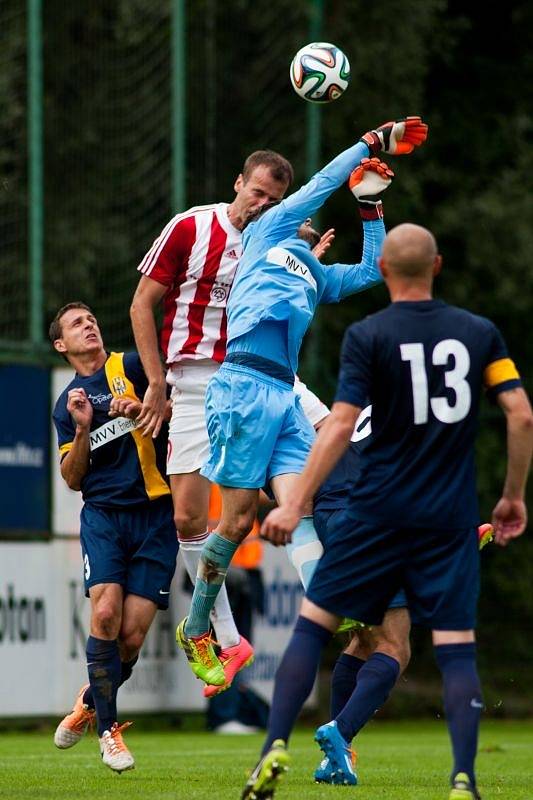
(107, 138)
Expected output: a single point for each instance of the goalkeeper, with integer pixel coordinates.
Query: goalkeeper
(257, 430)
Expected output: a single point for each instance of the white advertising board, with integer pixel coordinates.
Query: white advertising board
(44, 618)
(44, 625)
(66, 504)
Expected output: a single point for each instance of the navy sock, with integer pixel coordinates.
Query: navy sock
(375, 680)
(343, 681)
(104, 668)
(463, 702)
(295, 677)
(126, 668)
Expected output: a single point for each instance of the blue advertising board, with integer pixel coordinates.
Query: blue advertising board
(24, 451)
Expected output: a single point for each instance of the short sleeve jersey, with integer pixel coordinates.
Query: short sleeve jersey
(195, 258)
(125, 468)
(423, 365)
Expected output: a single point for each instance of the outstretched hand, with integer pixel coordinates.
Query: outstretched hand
(326, 240)
(398, 137)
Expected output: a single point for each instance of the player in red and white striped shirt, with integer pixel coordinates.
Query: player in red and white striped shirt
(190, 269)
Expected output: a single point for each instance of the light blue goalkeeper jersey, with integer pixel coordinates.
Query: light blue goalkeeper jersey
(280, 280)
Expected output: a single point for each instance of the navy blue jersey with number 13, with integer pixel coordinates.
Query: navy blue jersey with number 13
(423, 365)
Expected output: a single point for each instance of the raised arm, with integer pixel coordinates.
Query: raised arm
(367, 182)
(399, 137)
(312, 196)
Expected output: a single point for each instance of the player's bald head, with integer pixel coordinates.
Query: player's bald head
(409, 251)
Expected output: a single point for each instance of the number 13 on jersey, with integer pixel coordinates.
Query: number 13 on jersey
(454, 378)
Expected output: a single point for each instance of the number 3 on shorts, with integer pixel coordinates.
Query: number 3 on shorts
(454, 379)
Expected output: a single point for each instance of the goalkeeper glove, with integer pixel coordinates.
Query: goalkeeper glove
(396, 138)
(366, 183)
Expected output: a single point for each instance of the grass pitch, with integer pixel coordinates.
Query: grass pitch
(400, 761)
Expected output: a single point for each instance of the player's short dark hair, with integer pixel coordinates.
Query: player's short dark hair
(55, 330)
(280, 169)
(309, 235)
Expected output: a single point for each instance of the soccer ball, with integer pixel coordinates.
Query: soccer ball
(320, 72)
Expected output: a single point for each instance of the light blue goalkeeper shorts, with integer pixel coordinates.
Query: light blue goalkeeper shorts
(256, 427)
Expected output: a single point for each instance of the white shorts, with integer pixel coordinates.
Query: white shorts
(188, 442)
(314, 409)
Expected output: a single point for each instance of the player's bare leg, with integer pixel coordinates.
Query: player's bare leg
(239, 509)
(391, 637)
(190, 495)
(107, 600)
(137, 616)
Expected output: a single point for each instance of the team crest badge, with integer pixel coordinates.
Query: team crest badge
(119, 385)
(219, 292)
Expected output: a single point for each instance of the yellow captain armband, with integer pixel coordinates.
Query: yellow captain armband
(500, 371)
(64, 449)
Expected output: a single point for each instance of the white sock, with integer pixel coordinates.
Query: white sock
(226, 631)
(305, 550)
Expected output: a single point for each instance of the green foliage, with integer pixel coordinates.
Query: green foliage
(13, 194)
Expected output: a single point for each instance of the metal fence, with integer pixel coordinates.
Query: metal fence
(115, 116)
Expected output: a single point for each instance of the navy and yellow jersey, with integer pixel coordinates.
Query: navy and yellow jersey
(125, 468)
(423, 365)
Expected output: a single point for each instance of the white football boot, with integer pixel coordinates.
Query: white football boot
(113, 750)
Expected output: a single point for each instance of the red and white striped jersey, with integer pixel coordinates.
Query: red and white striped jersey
(195, 256)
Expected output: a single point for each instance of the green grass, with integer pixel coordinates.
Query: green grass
(404, 761)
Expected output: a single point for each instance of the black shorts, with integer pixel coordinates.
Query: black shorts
(365, 565)
(135, 547)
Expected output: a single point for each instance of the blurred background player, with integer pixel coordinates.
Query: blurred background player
(190, 269)
(127, 532)
(413, 511)
(391, 637)
(257, 430)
